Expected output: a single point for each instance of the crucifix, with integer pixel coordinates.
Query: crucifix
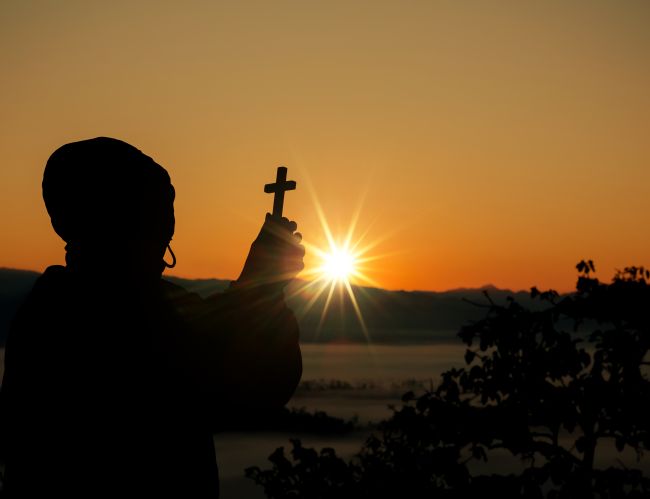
(281, 184)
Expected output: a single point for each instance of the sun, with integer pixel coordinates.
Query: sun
(339, 264)
(340, 267)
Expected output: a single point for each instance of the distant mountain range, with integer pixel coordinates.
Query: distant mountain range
(393, 317)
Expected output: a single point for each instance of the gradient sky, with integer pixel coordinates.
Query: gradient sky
(480, 142)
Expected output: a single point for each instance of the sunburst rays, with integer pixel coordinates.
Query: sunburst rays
(342, 263)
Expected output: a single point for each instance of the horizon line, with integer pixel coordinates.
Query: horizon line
(487, 286)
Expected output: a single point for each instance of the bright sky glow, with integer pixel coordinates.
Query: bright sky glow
(487, 134)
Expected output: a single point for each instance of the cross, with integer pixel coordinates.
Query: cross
(278, 188)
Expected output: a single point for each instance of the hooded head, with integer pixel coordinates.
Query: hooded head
(105, 197)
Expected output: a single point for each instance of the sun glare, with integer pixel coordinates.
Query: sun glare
(341, 263)
(338, 265)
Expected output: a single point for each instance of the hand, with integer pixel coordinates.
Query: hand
(275, 257)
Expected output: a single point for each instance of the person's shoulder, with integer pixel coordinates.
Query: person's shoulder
(50, 287)
(181, 298)
(46, 294)
(54, 277)
(54, 272)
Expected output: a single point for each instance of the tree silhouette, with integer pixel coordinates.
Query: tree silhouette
(549, 387)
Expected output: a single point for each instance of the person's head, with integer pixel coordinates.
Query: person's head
(111, 204)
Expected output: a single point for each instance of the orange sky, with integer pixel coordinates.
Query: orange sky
(486, 142)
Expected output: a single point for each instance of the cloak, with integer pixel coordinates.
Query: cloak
(112, 389)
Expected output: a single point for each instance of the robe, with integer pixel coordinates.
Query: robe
(114, 390)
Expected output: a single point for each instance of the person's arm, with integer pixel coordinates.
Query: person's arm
(248, 351)
(261, 359)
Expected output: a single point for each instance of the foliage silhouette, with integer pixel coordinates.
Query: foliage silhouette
(547, 386)
(283, 419)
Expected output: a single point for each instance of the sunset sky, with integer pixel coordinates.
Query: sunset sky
(478, 142)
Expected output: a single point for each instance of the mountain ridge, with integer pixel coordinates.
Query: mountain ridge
(389, 316)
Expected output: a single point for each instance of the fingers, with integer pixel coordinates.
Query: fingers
(284, 229)
(280, 226)
(277, 253)
(294, 262)
(286, 224)
(283, 222)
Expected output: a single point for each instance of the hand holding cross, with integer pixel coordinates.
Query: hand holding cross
(276, 255)
(281, 184)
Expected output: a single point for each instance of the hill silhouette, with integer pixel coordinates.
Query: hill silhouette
(393, 317)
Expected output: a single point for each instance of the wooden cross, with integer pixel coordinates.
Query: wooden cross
(278, 188)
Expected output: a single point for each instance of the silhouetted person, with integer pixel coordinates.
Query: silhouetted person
(115, 379)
